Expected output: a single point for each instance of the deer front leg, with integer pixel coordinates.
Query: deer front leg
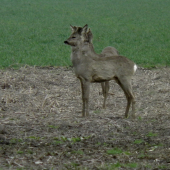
(85, 85)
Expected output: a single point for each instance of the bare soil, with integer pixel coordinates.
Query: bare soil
(41, 125)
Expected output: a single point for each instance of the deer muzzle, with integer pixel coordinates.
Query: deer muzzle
(66, 42)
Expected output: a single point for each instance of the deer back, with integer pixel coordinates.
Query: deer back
(109, 51)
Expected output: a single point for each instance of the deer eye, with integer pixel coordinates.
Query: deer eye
(73, 37)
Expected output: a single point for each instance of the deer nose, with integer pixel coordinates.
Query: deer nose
(66, 42)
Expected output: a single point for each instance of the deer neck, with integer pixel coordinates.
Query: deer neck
(76, 56)
(83, 54)
(89, 52)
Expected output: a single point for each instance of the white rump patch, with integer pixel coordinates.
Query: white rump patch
(135, 68)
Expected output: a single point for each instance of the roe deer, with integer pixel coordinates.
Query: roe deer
(106, 52)
(91, 67)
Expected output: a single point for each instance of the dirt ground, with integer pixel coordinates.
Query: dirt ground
(41, 125)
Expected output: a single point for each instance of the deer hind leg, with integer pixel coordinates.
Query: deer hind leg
(85, 97)
(105, 90)
(125, 84)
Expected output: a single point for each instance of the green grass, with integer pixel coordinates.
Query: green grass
(32, 32)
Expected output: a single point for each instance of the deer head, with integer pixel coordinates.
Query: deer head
(76, 35)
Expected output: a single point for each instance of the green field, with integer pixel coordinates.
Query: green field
(32, 32)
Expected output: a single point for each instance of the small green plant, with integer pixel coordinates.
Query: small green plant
(127, 153)
(54, 127)
(114, 151)
(56, 138)
(86, 137)
(77, 139)
(142, 155)
(139, 118)
(134, 133)
(150, 134)
(105, 144)
(162, 167)
(15, 140)
(98, 143)
(20, 152)
(97, 111)
(131, 165)
(160, 144)
(64, 139)
(114, 166)
(75, 164)
(80, 152)
(34, 137)
(58, 142)
(148, 166)
(138, 141)
(118, 165)
(30, 151)
(72, 165)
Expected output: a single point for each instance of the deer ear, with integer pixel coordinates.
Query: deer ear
(84, 29)
(73, 28)
(90, 36)
(86, 26)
